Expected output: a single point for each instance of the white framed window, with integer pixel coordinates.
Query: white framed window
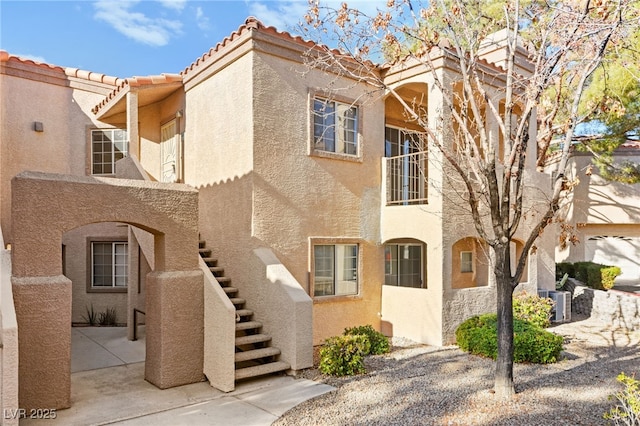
(335, 127)
(109, 262)
(335, 269)
(403, 265)
(107, 147)
(466, 261)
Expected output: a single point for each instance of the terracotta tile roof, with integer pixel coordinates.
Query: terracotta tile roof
(630, 144)
(69, 72)
(250, 24)
(136, 82)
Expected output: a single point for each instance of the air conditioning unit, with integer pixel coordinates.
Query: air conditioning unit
(559, 311)
(543, 293)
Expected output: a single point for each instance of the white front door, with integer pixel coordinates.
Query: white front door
(169, 152)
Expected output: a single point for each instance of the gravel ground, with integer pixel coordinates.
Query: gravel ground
(424, 385)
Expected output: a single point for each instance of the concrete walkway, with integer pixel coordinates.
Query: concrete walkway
(108, 387)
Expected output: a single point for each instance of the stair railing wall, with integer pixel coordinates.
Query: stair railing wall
(286, 310)
(219, 334)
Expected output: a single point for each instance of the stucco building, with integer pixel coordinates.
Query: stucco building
(314, 211)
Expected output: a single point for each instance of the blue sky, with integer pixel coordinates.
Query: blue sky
(134, 37)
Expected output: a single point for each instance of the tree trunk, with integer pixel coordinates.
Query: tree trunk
(504, 387)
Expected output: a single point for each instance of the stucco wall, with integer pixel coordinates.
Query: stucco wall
(298, 196)
(62, 104)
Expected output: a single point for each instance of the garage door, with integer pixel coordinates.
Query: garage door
(616, 251)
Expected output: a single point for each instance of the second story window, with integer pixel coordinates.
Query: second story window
(335, 127)
(107, 147)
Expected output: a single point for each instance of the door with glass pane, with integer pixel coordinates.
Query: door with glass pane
(169, 152)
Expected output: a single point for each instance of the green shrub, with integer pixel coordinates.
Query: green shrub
(564, 268)
(627, 409)
(478, 335)
(378, 342)
(344, 355)
(594, 275)
(533, 344)
(532, 308)
(608, 275)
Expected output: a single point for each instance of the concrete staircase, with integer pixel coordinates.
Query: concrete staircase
(254, 355)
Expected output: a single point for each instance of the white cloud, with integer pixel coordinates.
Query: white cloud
(284, 15)
(202, 20)
(173, 4)
(136, 25)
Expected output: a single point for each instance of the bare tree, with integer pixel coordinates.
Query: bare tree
(550, 50)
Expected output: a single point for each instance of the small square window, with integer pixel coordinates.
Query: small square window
(109, 263)
(335, 269)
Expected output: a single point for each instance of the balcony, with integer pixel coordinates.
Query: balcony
(406, 178)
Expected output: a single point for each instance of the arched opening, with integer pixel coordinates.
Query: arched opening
(469, 263)
(405, 263)
(107, 270)
(45, 207)
(406, 146)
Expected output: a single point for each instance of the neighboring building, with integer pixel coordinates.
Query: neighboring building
(606, 216)
(317, 211)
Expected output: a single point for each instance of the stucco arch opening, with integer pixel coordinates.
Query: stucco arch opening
(469, 263)
(44, 207)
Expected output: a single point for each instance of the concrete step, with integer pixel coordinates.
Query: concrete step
(256, 354)
(230, 290)
(224, 281)
(217, 271)
(244, 312)
(210, 261)
(204, 252)
(253, 338)
(237, 300)
(248, 325)
(261, 370)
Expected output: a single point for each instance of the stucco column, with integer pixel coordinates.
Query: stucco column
(132, 124)
(43, 313)
(175, 328)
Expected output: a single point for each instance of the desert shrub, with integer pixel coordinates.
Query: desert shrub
(378, 342)
(91, 317)
(627, 409)
(478, 335)
(108, 317)
(344, 355)
(532, 308)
